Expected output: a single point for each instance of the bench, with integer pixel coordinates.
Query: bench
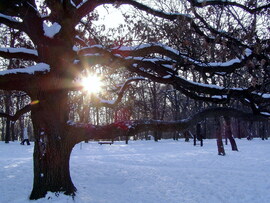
(105, 142)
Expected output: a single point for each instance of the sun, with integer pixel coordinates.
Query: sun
(91, 84)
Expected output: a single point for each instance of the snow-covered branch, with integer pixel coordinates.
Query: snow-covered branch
(22, 53)
(21, 78)
(10, 22)
(175, 56)
(40, 68)
(162, 70)
(170, 56)
(9, 18)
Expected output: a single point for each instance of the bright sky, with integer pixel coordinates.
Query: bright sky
(110, 16)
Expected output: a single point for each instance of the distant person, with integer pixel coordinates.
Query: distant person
(25, 137)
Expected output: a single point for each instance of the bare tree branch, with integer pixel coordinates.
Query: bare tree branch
(129, 128)
(158, 13)
(89, 6)
(120, 94)
(205, 3)
(18, 114)
(217, 32)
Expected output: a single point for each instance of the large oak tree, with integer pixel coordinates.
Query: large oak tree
(236, 34)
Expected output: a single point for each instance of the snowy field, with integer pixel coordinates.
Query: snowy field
(148, 172)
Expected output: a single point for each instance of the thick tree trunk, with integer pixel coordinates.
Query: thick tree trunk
(239, 129)
(146, 137)
(175, 135)
(7, 136)
(7, 109)
(155, 133)
(220, 146)
(51, 169)
(12, 130)
(221, 150)
(194, 139)
(159, 135)
(250, 133)
(186, 136)
(267, 129)
(2, 130)
(262, 130)
(21, 123)
(228, 133)
(127, 138)
(53, 146)
(199, 133)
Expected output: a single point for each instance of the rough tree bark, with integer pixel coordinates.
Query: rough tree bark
(53, 146)
(51, 168)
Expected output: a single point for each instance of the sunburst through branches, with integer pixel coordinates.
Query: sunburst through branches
(91, 83)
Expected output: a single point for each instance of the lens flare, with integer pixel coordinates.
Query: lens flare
(34, 102)
(91, 84)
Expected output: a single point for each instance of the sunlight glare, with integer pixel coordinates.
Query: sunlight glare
(91, 84)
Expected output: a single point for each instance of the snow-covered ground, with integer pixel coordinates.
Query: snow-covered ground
(147, 172)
